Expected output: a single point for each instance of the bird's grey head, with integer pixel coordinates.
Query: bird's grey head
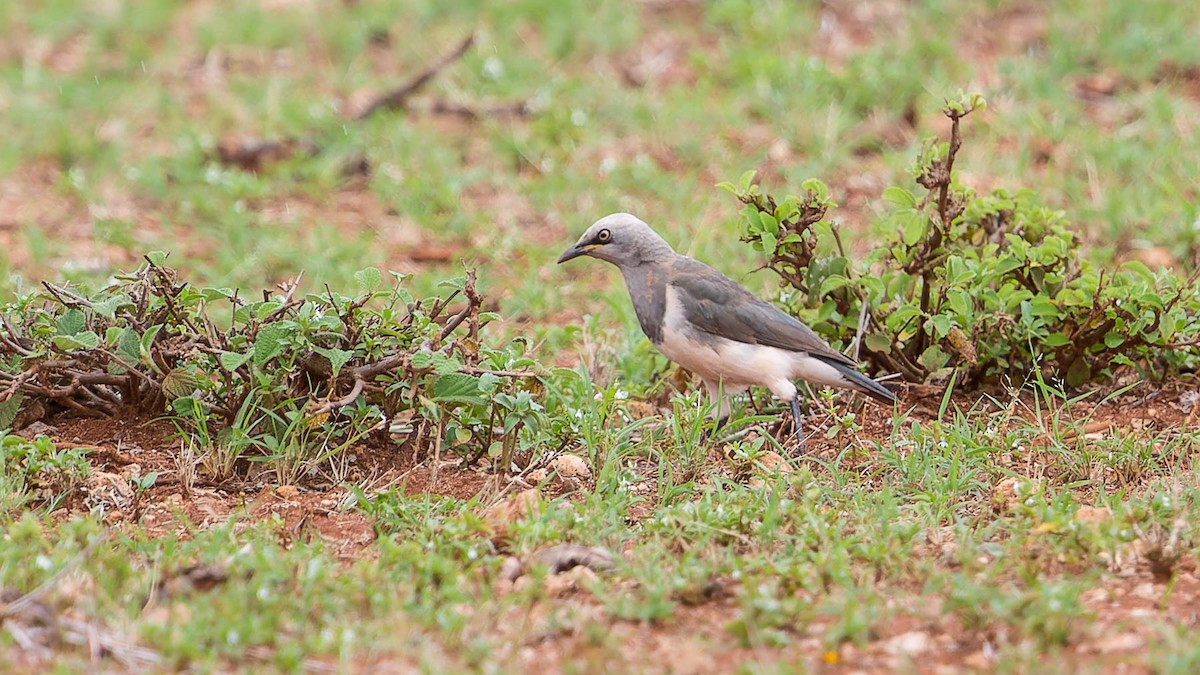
(621, 239)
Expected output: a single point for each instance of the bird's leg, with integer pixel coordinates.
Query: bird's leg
(721, 411)
(724, 411)
(798, 424)
(805, 394)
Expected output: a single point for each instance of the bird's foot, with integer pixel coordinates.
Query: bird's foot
(798, 426)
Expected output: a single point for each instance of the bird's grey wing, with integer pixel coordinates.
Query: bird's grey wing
(717, 305)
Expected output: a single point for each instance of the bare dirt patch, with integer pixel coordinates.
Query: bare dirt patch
(137, 447)
(36, 204)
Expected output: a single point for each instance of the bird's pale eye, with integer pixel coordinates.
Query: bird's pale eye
(604, 237)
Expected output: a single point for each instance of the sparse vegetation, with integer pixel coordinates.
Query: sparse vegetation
(991, 285)
(36, 473)
(478, 463)
(294, 382)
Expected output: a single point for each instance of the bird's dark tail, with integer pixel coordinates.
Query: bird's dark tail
(864, 384)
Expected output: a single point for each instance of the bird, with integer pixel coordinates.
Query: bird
(712, 326)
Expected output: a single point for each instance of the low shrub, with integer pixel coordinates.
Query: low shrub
(990, 284)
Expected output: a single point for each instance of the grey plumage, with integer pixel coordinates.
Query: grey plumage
(710, 325)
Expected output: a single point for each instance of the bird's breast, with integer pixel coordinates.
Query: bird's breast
(682, 343)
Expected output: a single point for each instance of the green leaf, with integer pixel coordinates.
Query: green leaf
(1171, 326)
(768, 243)
(272, 340)
(443, 364)
(1113, 340)
(211, 294)
(232, 361)
(902, 315)
(456, 283)
(818, 189)
(941, 325)
(933, 358)
(70, 343)
(71, 322)
(157, 258)
(770, 225)
(337, 357)
(831, 283)
(1139, 268)
(181, 382)
(147, 342)
(900, 197)
(1006, 265)
(959, 302)
(188, 407)
(488, 382)
(267, 308)
(109, 306)
(912, 226)
(129, 346)
(1055, 340)
(753, 218)
(461, 435)
(877, 342)
(1042, 307)
(368, 279)
(786, 209)
(457, 388)
(746, 180)
(10, 408)
(440, 363)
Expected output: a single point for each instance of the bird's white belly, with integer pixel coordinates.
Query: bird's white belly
(737, 365)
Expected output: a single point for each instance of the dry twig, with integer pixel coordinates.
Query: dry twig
(397, 99)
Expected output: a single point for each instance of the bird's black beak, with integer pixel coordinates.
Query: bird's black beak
(575, 251)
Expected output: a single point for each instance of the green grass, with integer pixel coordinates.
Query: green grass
(962, 523)
(840, 552)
